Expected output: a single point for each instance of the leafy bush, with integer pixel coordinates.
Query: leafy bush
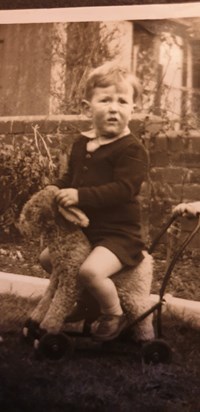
(25, 167)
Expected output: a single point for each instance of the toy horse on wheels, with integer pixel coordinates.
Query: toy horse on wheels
(65, 302)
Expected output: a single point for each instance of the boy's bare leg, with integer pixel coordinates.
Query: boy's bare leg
(95, 274)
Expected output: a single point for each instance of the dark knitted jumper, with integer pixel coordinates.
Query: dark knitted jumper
(108, 182)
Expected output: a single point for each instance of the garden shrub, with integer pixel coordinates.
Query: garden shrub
(26, 166)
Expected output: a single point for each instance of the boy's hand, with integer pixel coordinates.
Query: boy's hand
(187, 209)
(67, 197)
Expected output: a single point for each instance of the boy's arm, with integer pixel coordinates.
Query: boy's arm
(129, 173)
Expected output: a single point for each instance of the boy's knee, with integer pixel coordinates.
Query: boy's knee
(87, 275)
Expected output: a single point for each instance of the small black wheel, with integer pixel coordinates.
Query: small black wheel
(53, 346)
(156, 351)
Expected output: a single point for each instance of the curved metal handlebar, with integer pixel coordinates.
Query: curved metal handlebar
(176, 256)
(164, 229)
(158, 305)
(161, 233)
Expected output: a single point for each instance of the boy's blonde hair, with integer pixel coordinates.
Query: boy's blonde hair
(108, 74)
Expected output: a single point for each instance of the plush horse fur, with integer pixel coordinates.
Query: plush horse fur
(69, 248)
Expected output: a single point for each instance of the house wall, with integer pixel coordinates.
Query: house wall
(34, 63)
(174, 161)
(58, 68)
(25, 66)
(171, 59)
(122, 40)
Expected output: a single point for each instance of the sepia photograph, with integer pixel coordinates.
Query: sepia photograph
(100, 209)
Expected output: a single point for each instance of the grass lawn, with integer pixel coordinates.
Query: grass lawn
(92, 380)
(95, 381)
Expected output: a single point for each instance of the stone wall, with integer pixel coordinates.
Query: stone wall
(174, 161)
(174, 176)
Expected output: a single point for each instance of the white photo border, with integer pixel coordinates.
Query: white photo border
(97, 13)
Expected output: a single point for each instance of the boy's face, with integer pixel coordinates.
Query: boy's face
(110, 109)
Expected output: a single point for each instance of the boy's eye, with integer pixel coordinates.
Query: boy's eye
(122, 101)
(105, 100)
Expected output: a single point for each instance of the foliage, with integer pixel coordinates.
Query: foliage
(87, 47)
(173, 105)
(163, 70)
(24, 168)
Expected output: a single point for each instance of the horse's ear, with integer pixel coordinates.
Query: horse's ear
(74, 215)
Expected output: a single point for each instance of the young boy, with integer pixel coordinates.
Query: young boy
(106, 169)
